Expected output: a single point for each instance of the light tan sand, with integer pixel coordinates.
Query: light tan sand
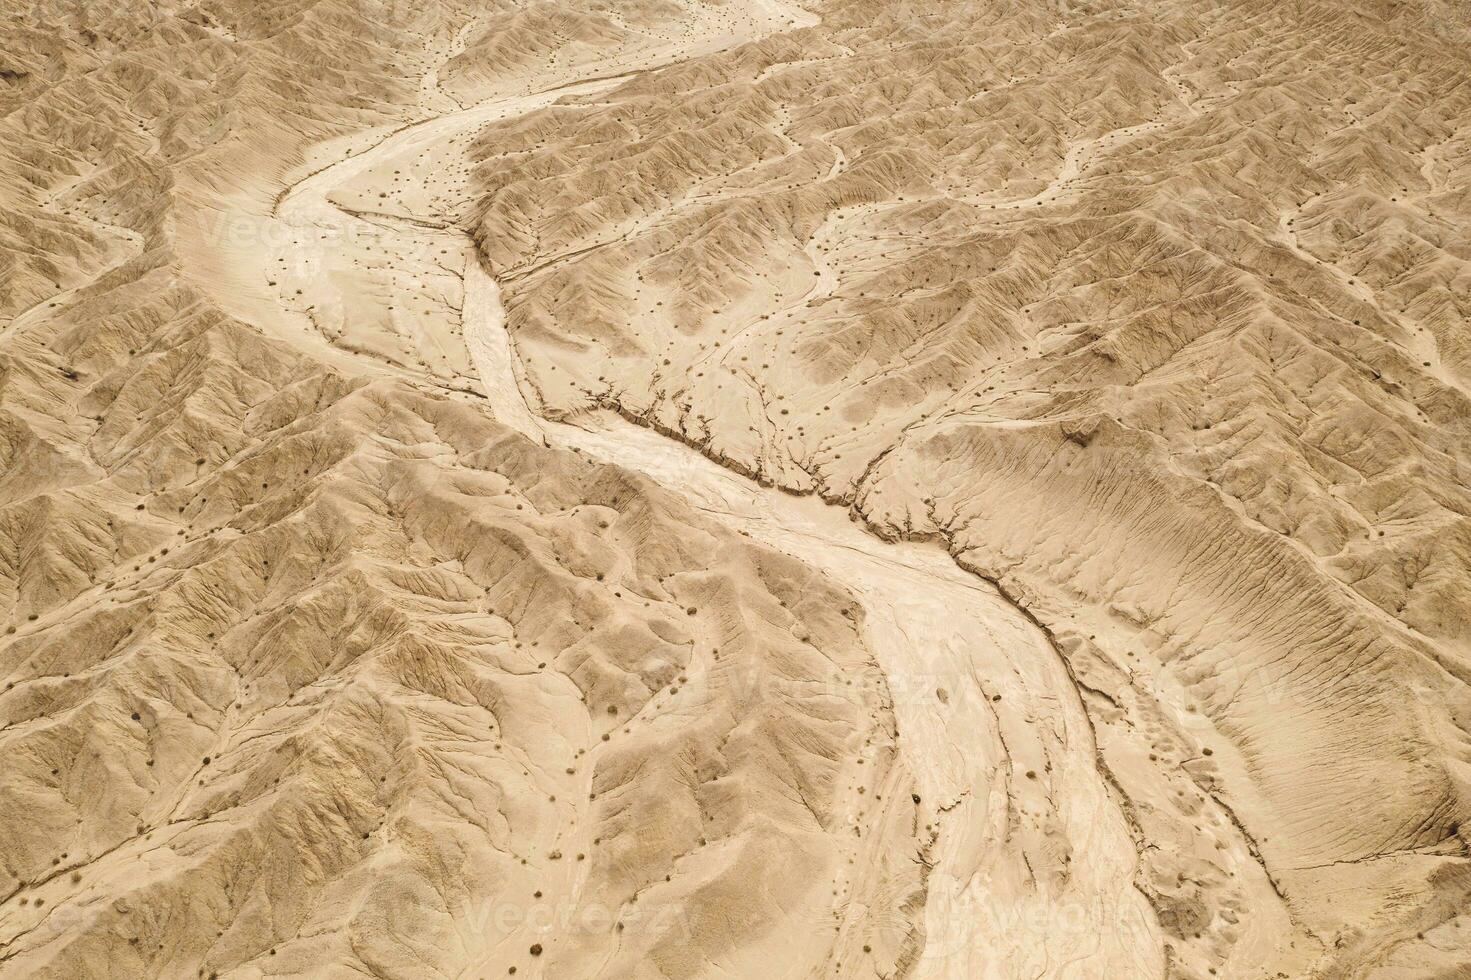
(734, 490)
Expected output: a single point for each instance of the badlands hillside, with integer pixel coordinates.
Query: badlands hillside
(758, 488)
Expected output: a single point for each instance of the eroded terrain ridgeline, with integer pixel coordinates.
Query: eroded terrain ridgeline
(1153, 314)
(675, 489)
(1032, 867)
(309, 666)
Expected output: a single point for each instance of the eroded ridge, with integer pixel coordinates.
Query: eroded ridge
(929, 490)
(1150, 314)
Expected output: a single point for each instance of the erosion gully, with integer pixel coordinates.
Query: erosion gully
(1032, 872)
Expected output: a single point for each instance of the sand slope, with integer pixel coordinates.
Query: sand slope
(684, 490)
(1149, 314)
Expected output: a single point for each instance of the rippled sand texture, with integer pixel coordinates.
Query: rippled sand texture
(661, 489)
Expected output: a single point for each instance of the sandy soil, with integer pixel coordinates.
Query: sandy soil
(1025, 828)
(661, 490)
(1028, 837)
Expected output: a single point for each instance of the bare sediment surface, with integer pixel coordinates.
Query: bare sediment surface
(992, 731)
(734, 490)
